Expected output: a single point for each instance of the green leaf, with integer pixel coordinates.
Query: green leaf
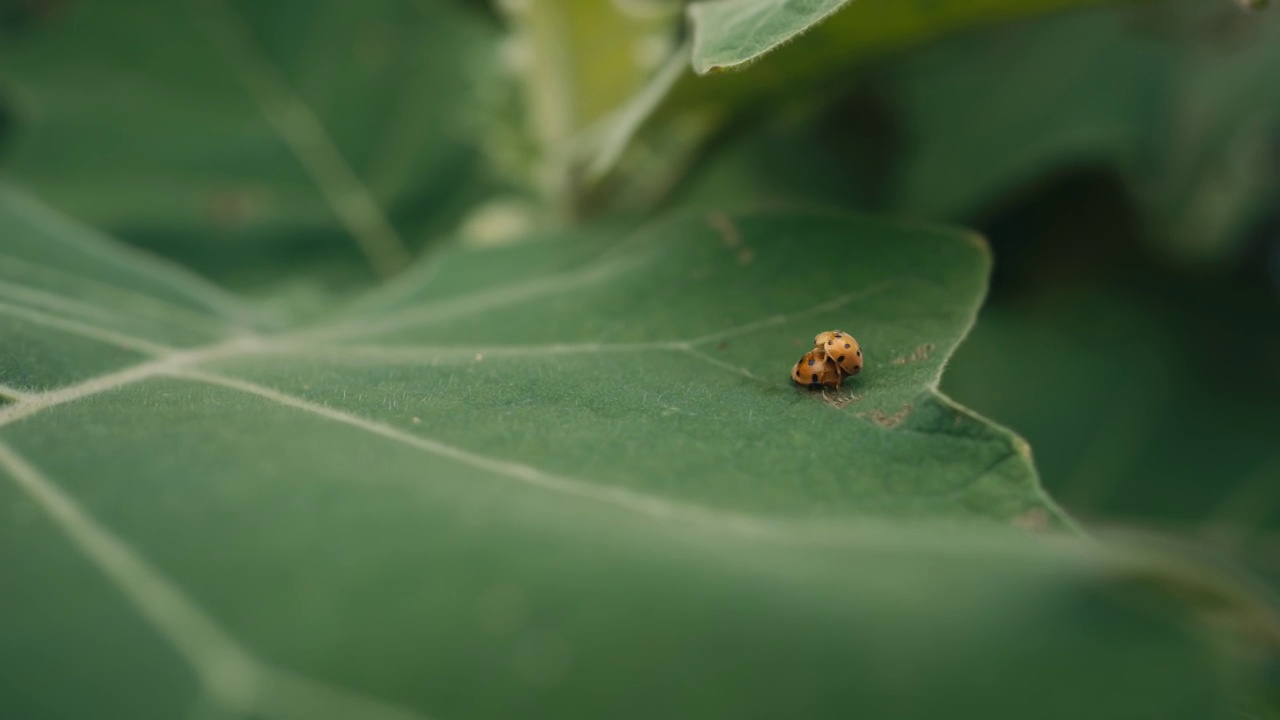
(697, 107)
(540, 480)
(274, 141)
(728, 33)
(659, 336)
(1172, 96)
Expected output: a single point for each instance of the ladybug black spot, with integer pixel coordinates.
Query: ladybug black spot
(815, 377)
(810, 362)
(840, 359)
(859, 353)
(847, 345)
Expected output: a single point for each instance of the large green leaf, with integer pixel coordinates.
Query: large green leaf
(651, 340)
(568, 478)
(255, 141)
(727, 33)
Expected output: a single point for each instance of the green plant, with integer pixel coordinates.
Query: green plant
(426, 359)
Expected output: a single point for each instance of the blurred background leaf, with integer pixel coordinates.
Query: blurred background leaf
(1175, 97)
(813, 68)
(257, 141)
(579, 63)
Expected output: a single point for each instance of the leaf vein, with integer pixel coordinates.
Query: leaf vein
(158, 305)
(104, 248)
(489, 299)
(302, 131)
(33, 403)
(228, 673)
(76, 327)
(641, 503)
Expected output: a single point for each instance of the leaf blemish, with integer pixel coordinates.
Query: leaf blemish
(921, 352)
(881, 418)
(729, 233)
(233, 207)
(1033, 520)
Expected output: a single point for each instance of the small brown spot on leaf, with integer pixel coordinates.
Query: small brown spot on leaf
(729, 234)
(745, 256)
(882, 418)
(1033, 520)
(232, 207)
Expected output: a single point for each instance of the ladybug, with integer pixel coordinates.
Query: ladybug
(843, 350)
(816, 369)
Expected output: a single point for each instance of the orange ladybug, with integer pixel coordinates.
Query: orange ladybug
(843, 350)
(816, 369)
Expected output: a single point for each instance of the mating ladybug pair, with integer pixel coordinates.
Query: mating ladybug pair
(835, 356)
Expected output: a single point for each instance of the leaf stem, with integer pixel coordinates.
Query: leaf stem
(546, 70)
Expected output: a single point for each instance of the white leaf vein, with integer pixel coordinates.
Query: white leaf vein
(642, 503)
(59, 227)
(110, 337)
(170, 360)
(29, 271)
(229, 675)
(33, 403)
(470, 304)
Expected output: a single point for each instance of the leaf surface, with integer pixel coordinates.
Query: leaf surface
(538, 481)
(727, 33)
